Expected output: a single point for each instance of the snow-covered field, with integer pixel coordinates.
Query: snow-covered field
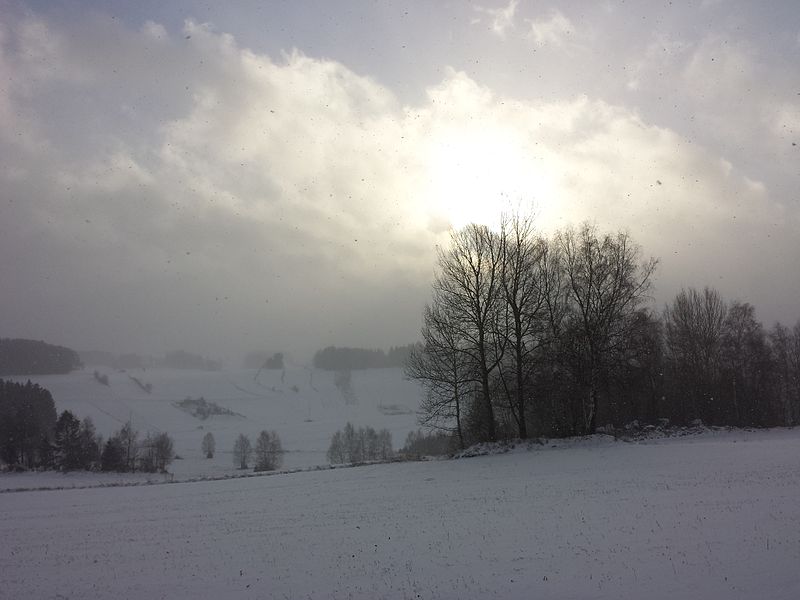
(710, 517)
(305, 406)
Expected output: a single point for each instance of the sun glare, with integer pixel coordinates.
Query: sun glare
(475, 176)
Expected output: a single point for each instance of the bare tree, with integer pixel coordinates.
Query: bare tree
(209, 445)
(747, 368)
(525, 329)
(606, 284)
(556, 296)
(337, 453)
(352, 443)
(468, 290)
(242, 451)
(384, 449)
(129, 438)
(785, 344)
(164, 451)
(156, 452)
(444, 369)
(693, 328)
(268, 451)
(640, 374)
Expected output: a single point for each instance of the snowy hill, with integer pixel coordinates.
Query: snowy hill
(305, 406)
(692, 518)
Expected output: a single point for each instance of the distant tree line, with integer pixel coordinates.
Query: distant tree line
(116, 361)
(30, 357)
(351, 445)
(345, 359)
(528, 335)
(34, 436)
(179, 359)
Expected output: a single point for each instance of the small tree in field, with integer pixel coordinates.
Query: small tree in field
(209, 445)
(268, 452)
(242, 451)
(163, 451)
(337, 453)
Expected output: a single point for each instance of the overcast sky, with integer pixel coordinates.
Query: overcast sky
(230, 176)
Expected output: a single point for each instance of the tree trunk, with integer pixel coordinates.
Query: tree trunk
(491, 431)
(457, 400)
(523, 425)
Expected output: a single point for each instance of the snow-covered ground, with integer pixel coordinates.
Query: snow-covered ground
(305, 406)
(712, 516)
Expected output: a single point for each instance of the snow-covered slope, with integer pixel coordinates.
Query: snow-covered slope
(700, 518)
(305, 406)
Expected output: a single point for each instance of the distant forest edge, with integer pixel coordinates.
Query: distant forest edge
(346, 359)
(31, 357)
(179, 359)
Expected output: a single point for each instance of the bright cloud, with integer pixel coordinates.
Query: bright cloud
(213, 194)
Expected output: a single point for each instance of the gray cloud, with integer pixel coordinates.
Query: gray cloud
(175, 189)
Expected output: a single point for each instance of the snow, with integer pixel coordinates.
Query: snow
(712, 516)
(303, 405)
(53, 480)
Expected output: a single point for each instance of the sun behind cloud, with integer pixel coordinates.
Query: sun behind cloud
(477, 174)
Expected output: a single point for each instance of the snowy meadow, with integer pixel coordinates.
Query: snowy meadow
(709, 516)
(304, 406)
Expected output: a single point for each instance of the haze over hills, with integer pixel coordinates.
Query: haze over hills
(586, 212)
(304, 405)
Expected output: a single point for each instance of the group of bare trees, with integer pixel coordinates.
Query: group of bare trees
(722, 366)
(268, 451)
(534, 335)
(351, 445)
(126, 451)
